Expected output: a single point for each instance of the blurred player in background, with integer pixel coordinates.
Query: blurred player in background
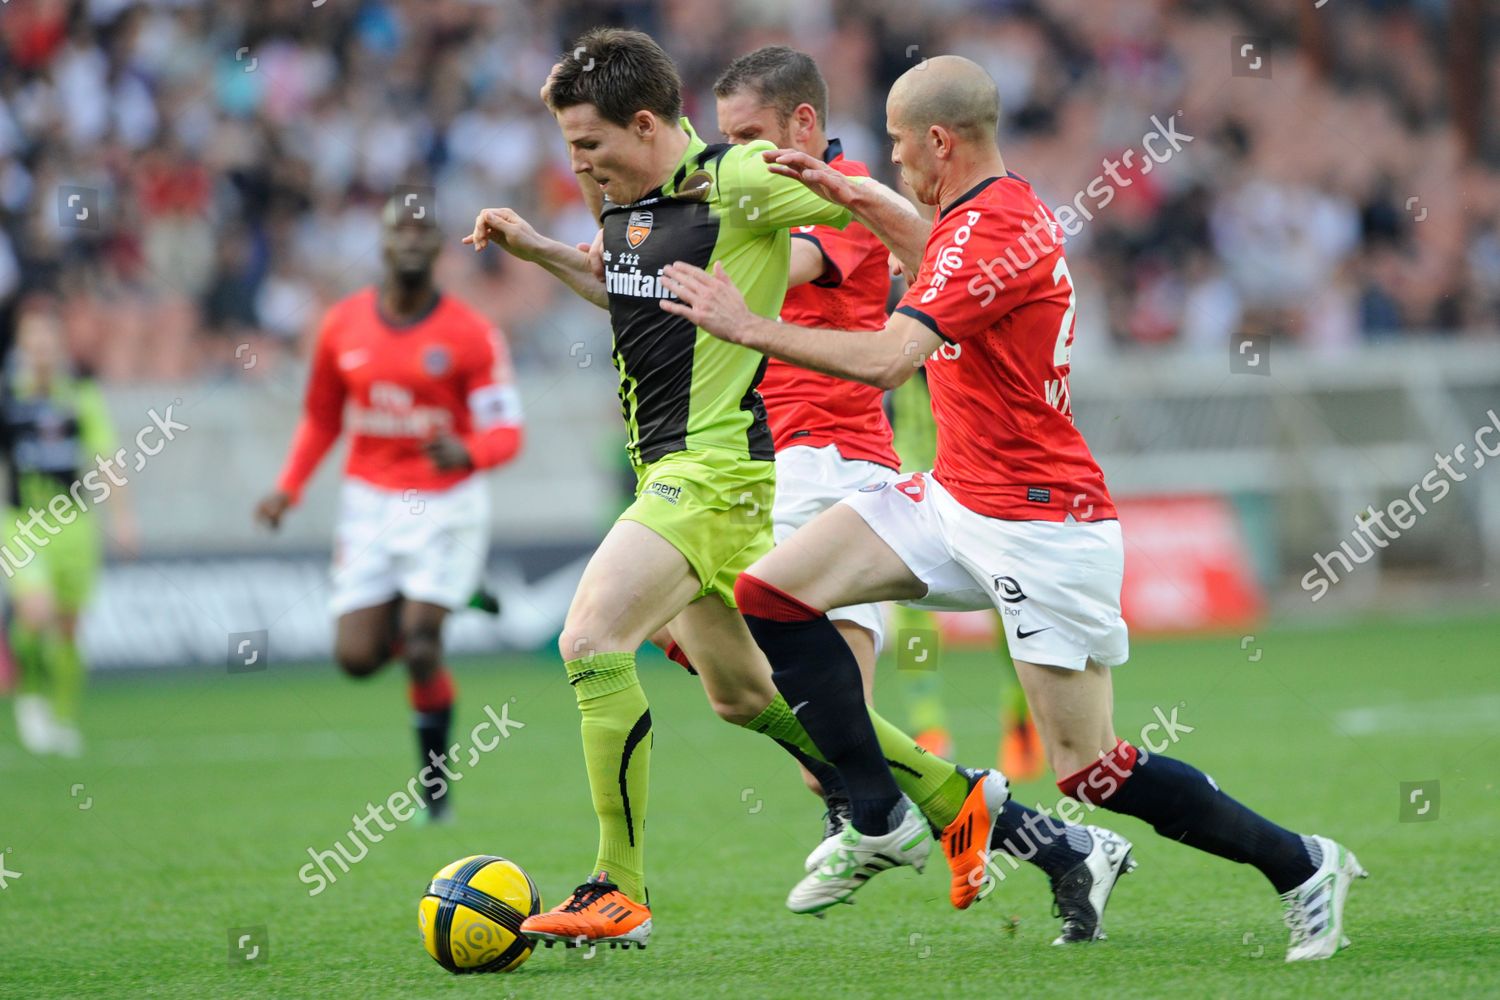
(1015, 513)
(430, 402)
(56, 429)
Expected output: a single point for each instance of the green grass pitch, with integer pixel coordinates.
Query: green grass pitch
(200, 795)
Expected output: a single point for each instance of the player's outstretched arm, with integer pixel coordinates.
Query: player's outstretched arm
(885, 213)
(514, 235)
(321, 424)
(884, 359)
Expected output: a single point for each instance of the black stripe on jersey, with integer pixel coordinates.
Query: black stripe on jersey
(973, 192)
(654, 349)
(925, 320)
(832, 276)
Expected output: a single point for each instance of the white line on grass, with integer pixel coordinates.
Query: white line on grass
(1447, 716)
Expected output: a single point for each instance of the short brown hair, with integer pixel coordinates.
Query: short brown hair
(781, 77)
(619, 72)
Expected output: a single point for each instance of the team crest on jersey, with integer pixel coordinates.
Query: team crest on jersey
(638, 228)
(436, 361)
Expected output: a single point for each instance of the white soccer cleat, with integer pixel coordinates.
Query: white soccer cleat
(835, 820)
(1081, 894)
(1315, 909)
(34, 724)
(856, 857)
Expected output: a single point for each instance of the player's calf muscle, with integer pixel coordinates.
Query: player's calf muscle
(736, 676)
(1073, 713)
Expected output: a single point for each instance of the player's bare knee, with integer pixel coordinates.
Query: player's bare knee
(358, 662)
(737, 704)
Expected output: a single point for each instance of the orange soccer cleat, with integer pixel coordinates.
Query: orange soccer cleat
(966, 841)
(597, 913)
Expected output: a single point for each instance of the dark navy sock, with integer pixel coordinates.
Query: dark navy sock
(816, 672)
(1182, 803)
(1027, 835)
(432, 738)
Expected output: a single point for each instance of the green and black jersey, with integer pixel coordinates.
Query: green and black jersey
(49, 439)
(682, 389)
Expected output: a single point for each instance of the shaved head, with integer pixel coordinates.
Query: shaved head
(942, 116)
(949, 91)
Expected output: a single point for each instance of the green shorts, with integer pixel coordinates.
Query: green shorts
(65, 566)
(713, 508)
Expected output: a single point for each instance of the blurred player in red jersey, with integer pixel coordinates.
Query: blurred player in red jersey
(1015, 514)
(425, 386)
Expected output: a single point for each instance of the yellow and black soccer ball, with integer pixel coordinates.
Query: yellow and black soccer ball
(470, 916)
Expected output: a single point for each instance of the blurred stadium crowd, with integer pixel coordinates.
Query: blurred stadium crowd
(237, 154)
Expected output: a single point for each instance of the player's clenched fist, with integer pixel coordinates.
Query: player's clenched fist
(272, 508)
(509, 231)
(447, 452)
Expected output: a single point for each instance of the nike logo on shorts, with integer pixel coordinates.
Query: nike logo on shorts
(1027, 635)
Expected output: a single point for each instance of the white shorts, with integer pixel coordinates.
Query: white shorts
(808, 482)
(1055, 583)
(423, 545)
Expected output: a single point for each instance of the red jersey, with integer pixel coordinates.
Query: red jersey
(810, 408)
(995, 286)
(397, 386)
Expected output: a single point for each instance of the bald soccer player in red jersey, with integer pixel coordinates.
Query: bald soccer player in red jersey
(1015, 513)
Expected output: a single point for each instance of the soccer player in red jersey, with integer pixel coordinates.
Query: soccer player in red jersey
(833, 438)
(423, 384)
(831, 435)
(1014, 515)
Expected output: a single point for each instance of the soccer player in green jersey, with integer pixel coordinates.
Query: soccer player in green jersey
(54, 425)
(703, 458)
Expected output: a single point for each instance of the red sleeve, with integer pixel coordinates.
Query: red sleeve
(494, 405)
(843, 250)
(963, 286)
(322, 417)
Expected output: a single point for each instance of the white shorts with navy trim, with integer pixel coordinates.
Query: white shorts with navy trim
(1056, 584)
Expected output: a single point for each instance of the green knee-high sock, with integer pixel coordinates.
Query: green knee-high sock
(30, 650)
(934, 784)
(67, 669)
(616, 728)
